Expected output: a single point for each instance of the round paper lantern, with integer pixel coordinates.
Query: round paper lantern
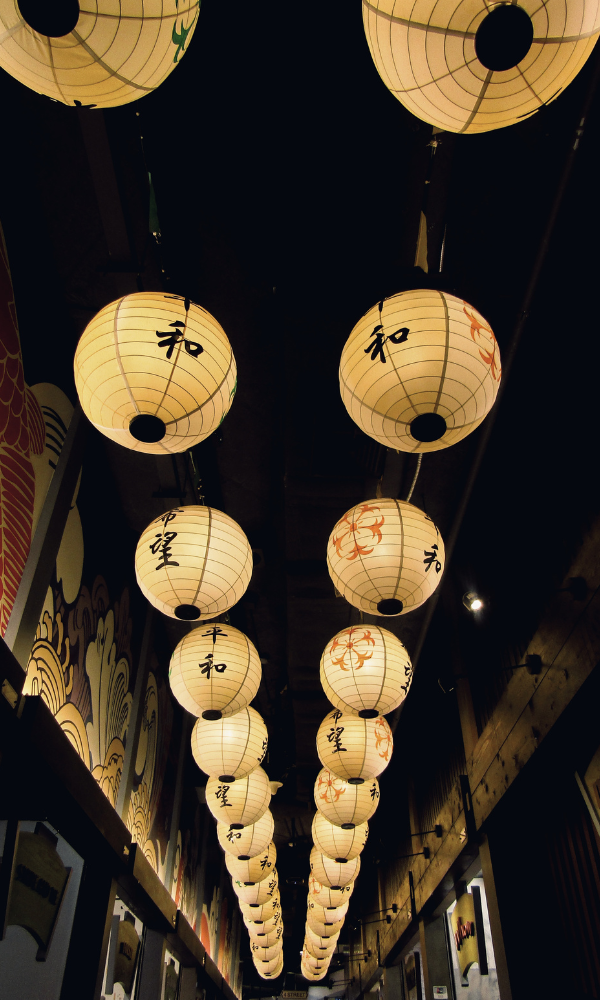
(230, 747)
(94, 54)
(242, 802)
(314, 963)
(317, 952)
(325, 914)
(258, 892)
(420, 370)
(259, 929)
(194, 563)
(333, 873)
(342, 845)
(154, 372)
(322, 940)
(248, 842)
(254, 870)
(326, 897)
(326, 931)
(313, 975)
(468, 67)
(366, 671)
(344, 804)
(385, 557)
(269, 970)
(214, 672)
(266, 938)
(261, 911)
(353, 748)
(261, 954)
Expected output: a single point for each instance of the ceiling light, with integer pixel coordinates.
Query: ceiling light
(472, 601)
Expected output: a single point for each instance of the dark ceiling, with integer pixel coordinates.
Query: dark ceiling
(289, 185)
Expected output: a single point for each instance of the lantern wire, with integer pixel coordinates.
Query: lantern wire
(415, 477)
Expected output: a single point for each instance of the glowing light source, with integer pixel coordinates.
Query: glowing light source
(472, 601)
(344, 804)
(241, 803)
(250, 840)
(337, 843)
(259, 892)
(365, 671)
(230, 747)
(334, 874)
(215, 671)
(352, 748)
(326, 897)
(254, 870)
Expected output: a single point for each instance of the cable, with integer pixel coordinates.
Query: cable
(415, 477)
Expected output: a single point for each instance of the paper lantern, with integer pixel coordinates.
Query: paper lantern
(257, 930)
(468, 67)
(353, 748)
(366, 671)
(230, 747)
(313, 975)
(258, 892)
(214, 672)
(420, 371)
(333, 873)
(266, 938)
(261, 911)
(248, 842)
(194, 563)
(262, 954)
(385, 557)
(318, 952)
(269, 970)
(325, 914)
(314, 963)
(326, 897)
(327, 931)
(344, 804)
(242, 802)
(94, 54)
(325, 940)
(254, 870)
(336, 843)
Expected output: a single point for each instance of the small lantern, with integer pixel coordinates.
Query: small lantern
(326, 932)
(230, 747)
(326, 914)
(194, 563)
(262, 954)
(326, 940)
(249, 841)
(311, 962)
(385, 557)
(241, 803)
(254, 870)
(259, 912)
(366, 671)
(259, 892)
(318, 952)
(353, 748)
(266, 938)
(313, 975)
(215, 671)
(344, 804)
(258, 929)
(326, 897)
(269, 970)
(333, 873)
(342, 845)
(472, 67)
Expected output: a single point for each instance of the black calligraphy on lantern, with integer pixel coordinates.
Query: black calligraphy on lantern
(221, 793)
(374, 792)
(162, 547)
(334, 737)
(170, 340)
(265, 863)
(378, 339)
(432, 559)
(209, 664)
(233, 835)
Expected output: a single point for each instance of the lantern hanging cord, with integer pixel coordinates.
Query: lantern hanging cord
(415, 477)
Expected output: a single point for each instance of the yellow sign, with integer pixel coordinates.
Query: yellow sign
(38, 885)
(464, 933)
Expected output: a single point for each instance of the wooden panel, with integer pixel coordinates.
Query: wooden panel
(144, 873)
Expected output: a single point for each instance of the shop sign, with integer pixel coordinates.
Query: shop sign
(294, 995)
(38, 886)
(464, 933)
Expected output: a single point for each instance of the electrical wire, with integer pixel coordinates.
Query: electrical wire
(415, 477)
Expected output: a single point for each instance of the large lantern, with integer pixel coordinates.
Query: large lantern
(335, 874)
(193, 563)
(215, 671)
(326, 897)
(322, 940)
(366, 671)
(241, 803)
(258, 892)
(94, 54)
(342, 845)
(353, 748)
(259, 929)
(420, 371)
(154, 372)
(344, 804)
(266, 938)
(259, 912)
(250, 840)
(262, 954)
(271, 969)
(385, 557)
(230, 747)
(254, 870)
(313, 975)
(470, 67)
(318, 952)
(324, 914)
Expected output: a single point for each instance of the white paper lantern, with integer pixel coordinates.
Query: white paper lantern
(313, 975)
(269, 970)
(154, 372)
(354, 749)
(94, 54)
(333, 873)
(194, 563)
(266, 938)
(261, 954)
(466, 68)
(311, 962)
(385, 557)
(344, 804)
(326, 897)
(317, 952)
(366, 671)
(337, 843)
(248, 842)
(327, 939)
(325, 914)
(326, 933)
(258, 892)
(230, 747)
(263, 927)
(214, 672)
(257, 912)
(420, 371)
(242, 802)
(254, 870)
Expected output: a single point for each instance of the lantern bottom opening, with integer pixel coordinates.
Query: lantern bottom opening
(368, 713)
(390, 606)
(356, 781)
(190, 613)
(211, 715)
(147, 428)
(225, 777)
(428, 427)
(348, 826)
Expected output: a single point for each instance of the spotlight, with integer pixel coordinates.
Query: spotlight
(472, 601)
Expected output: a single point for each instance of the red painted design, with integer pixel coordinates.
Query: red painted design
(490, 355)
(354, 523)
(349, 645)
(331, 793)
(383, 739)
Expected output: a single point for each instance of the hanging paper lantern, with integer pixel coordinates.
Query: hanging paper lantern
(262, 954)
(327, 931)
(313, 975)
(467, 67)
(194, 563)
(325, 940)
(366, 671)
(317, 952)
(324, 914)
(333, 873)
(344, 804)
(259, 892)
(254, 870)
(214, 672)
(261, 911)
(420, 371)
(248, 842)
(242, 802)
(353, 748)
(326, 897)
(263, 927)
(342, 845)
(230, 747)
(311, 962)
(269, 970)
(385, 557)
(266, 938)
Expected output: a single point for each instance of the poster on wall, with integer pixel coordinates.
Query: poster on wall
(464, 933)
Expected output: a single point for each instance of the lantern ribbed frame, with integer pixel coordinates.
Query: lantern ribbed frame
(426, 57)
(266, 938)
(365, 669)
(262, 911)
(244, 801)
(259, 892)
(227, 691)
(343, 804)
(194, 563)
(327, 897)
(254, 870)
(123, 370)
(447, 365)
(331, 873)
(321, 940)
(250, 841)
(230, 747)
(324, 914)
(386, 557)
(335, 842)
(261, 954)
(354, 749)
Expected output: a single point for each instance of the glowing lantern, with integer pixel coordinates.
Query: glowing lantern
(259, 929)
(343, 845)
(266, 938)
(325, 914)
(344, 804)
(333, 873)
(365, 671)
(468, 67)
(322, 940)
(194, 563)
(214, 672)
(311, 962)
(326, 897)
(269, 970)
(254, 870)
(243, 802)
(353, 748)
(385, 557)
(248, 842)
(230, 747)
(327, 930)
(258, 892)
(313, 975)
(318, 952)
(262, 954)
(259, 912)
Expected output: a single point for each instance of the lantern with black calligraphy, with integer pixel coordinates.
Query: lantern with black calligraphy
(249, 841)
(259, 912)
(262, 954)
(354, 749)
(214, 672)
(344, 804)
(266, 938)
(258, 892)
(365, 671)
(254, 870)
(326, 897)
(241, 803)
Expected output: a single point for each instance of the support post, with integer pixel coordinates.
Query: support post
(495, 924)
